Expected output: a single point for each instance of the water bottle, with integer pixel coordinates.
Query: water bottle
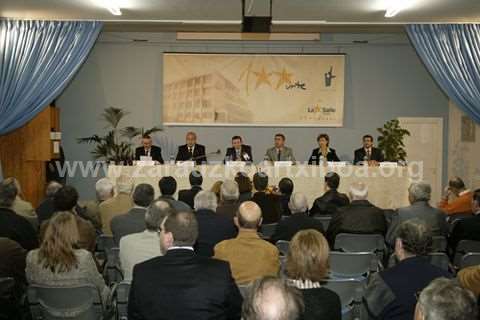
(172, 159)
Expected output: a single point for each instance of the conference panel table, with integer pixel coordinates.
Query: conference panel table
(387, 186)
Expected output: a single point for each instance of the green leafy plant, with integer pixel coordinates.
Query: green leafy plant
(390, 141)
(116, 144)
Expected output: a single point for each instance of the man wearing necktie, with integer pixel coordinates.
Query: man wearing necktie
(279, 152)
(191, 150)
(239, 151)
(368, 152)
(149, 150)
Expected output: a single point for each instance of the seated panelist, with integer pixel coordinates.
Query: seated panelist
(368, 152)
(323, 151)
(191, 150)
(239, 151)
(149, 150)
(279, 152)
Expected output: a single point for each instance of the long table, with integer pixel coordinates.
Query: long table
(388, 186)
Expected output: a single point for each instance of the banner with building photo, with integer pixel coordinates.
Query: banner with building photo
(253, 90)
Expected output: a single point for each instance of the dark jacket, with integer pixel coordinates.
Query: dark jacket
(288, 227)
(284, 200)
(270, 205)
(328, 203)
(321, 303)
(245, 154)
(188, 195)
(131, 222)
(245, 196)
(315, 156)
(360, 154)
(155, 153)
(465, 229)
(198, 154)
(212, 229)
(359, 217)
(183, 286)
(228, 208)
(18, 229)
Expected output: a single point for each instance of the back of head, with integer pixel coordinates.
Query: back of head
(332, 179)
(298, 203)
(205, 200)
(156, 213)
(358, 191)
(65, 199)
(104, 189)
(420, 191)
(249, 215)
(229, 190)
(444, 299)
(244, 182)
(184, 228)
(416, 237)
(271, 298)
(286, 186)
(52, 188)
(143, 195)
(167, 185)
(8, 193)
(456, 184)
(195, 178)
(260, 181)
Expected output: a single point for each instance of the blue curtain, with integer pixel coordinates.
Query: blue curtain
(452, 55)
(37, 60)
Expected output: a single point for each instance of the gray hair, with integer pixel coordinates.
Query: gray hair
(104, 189)
(420, 191)
(444, 299)
(8, 192)
(52, 188)
(298, 203)
(416, 237)
(229, 190)
(358, 191)
(156, 213)
(205, 200)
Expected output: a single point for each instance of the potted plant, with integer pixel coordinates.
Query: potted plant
(390, 141)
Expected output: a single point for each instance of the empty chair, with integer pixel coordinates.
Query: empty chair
(267, 230)
(440, 260)
(283, 247)
(351, 264)
(325, 220)
(112, 271)
(470, 259)
(464, 247)
(439, 244)
(350, 242)
(350, 292)
(55, 303)
(121, 292)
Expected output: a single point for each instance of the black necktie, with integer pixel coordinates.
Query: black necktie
(190, 152)
(279, 153)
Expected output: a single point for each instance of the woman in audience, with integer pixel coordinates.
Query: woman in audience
(307, 266)
(216, 188)
(58, 263)
(244, 186)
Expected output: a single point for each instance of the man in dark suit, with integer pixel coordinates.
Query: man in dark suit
(331, 200)
(188, 195)
(181, 285)
(299, 220)
(368, 152)
(359, 217)
(149, 150)
(239, 151)
(285, 186)
(467, 228)
(191, 150)
(269, 203)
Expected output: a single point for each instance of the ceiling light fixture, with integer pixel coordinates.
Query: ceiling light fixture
(111, 5)
(394, 7)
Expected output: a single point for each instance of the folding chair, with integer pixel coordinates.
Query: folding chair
(325, 220)
(350, 242)
(439, 244)
(122, 291)
(112, 271)
(104, 244)
(73, 303)
(350, 292)
(351, 264)
(267, 230)
(243, 289)
(464, 247)
(470, 259)
(283, 247)
(440, 260)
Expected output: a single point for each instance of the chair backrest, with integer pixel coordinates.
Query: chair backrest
(350, 264)
(439, 244)
(350, 242)
(464, 247)
(244, 289)
(122, 293)
(440, 260)
(325, 220)
(267, 230)
(470, 259)
(105, 243)
(7, 286)
(283, 246)
(348, 290)
(112, 270)
(55, 303)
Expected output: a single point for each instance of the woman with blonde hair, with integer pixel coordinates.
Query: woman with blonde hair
(58, 262)
(306, 267)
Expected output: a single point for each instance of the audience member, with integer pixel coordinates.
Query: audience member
(469, 278)
(119, 204)
(360, 216)
(269, 203)
(12, 225)
(46, 208)
(12, 265)
(134, 220)
(272, 298)
(444, 299)
(58, 263)
(216, 188)
(20, 206)
(390, 293)
(467, 228)
(195, 178)
(457, 198)
(307, 267)
(179, 284)
(419, 196)
(168, 187)
(285, 187)
(229, 194)
(104, 190)
(244, 187)
(142, 246)
(299, 220)
(212, 227)
(250, 257)
(331, 200)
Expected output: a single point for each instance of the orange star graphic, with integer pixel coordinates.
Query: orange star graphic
(284, 77)
(262, 77)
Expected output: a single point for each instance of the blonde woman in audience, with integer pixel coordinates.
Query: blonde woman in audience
(307, 266)
(217, 188)
(58, 263)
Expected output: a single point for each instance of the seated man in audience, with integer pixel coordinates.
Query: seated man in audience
(419, 196)
(468, 228)
(390, 294)
(285, 187)
(191, 150)
(119, 204)
(268, 202)
(188, 195)
(469, 278)
(239, 151)
(142, 246)
(244, 187)
(12, 265)
(46, 208)
(331, 200)
(299, 220)
(168, 186)
(20, 206)
(104, 190)
(272, 298)
(359, 217)
(179, 284)
(12, 225)
(149, 150)
(229, 194)
(444, 299)
(212, 227)
(250, 257)
(457, 198)
(134, 220)
(279, 152)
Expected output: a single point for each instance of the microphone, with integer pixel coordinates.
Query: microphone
(207, 154)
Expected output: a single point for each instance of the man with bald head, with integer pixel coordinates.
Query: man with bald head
(250, 257)
(191, 150)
